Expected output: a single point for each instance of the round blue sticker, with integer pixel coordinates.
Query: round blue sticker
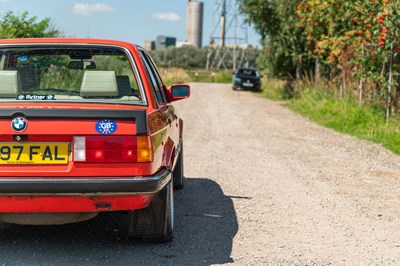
(106, 126)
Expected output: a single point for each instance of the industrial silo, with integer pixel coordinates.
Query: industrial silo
(194, 23)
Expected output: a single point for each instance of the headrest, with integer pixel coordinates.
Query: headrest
(10, 83)
(124, 86)
(99, 84)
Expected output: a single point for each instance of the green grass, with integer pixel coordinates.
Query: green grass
(174, 76)
(180, 75)
(343, 115)
(273, 89)
(220, 76)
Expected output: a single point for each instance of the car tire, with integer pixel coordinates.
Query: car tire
(155, 223)
(177, 174)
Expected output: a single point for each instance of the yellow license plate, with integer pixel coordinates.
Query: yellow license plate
(34, 153)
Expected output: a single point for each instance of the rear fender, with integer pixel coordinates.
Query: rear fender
(180, 129)
(169, 154)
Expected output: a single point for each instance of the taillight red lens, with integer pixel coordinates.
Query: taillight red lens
(113, 149)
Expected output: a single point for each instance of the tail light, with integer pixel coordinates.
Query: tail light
(112, 149)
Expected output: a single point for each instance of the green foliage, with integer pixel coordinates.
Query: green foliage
(53, 73)
(174, 76)
(189, 57)
(339, 40)
(247, 57)
(223, 77)
(23, 26)
(53, 70)
(186, 56)
(273, 89)
(179, 75)
(333, 31)
(284, 42)
(263, 15)
(347, 116)
(363, 30)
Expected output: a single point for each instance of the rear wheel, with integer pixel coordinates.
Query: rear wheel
(177, 174)
(156, 222)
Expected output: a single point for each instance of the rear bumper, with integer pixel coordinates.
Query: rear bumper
(256, 86)
(83, 195)
(87, 187)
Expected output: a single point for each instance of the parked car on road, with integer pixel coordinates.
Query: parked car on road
(87, 126)
(247, 79)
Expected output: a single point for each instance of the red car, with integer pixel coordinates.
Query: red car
(87, 126)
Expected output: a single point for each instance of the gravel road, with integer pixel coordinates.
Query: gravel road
(264, 187)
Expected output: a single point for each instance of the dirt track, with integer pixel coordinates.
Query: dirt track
(265, 187)
(302, 194)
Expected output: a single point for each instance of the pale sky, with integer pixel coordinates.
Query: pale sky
(129, 20)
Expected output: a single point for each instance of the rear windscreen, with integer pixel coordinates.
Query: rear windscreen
(71, 73)
(248, 72)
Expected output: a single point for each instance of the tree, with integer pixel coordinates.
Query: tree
(357, 38)
(352, 41)
(283, 40)
(23, 26)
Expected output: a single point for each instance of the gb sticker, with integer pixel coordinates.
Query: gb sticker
(106, 126)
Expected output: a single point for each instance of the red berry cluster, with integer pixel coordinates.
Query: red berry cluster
(382, 36)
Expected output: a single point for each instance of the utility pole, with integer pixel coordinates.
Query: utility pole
(224, 48)
(223, 23)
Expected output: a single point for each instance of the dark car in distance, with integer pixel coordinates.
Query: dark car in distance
(246, 78)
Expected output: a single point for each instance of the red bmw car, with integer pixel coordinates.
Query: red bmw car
(87, 126)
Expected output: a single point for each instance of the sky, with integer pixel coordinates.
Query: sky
(128, 20)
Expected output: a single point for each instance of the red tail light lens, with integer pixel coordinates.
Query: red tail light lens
(113, 149)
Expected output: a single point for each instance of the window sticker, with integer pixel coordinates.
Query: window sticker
(34, 97)
(106, 126)
(23, 58)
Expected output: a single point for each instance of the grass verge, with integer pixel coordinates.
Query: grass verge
(347, 116)
(273, 89)
(179, 75)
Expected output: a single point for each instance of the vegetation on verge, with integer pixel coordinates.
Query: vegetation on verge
(343, 115)
(349, 43)
(190, 57)
(273, 89)
(340, 61)
(176, 75)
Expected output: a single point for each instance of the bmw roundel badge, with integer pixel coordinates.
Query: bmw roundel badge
(19, 124)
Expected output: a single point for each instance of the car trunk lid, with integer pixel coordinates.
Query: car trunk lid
(47, 142)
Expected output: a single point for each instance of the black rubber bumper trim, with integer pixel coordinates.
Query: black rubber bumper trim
(129, 185)
(139, 116)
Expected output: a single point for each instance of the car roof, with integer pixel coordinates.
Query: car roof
(65, 41)
(248, 68)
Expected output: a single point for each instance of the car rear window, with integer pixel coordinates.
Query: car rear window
(248, 72)
(68, 73)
